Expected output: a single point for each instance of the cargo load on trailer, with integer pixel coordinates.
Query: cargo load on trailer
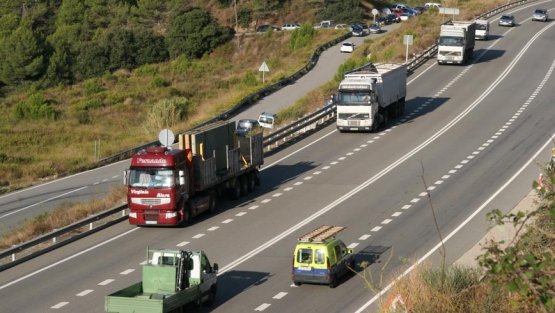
(172, 281)
(369, 95)
(171, 186)
(456, 42)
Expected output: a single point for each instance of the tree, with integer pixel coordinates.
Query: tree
(196, 33)
(93, 60)
(65, 45)
(70, 12)
(149, 47)
(21, 57)
(341, 10)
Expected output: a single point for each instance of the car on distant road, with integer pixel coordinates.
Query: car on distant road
(342, 26)
(290, 26)
(420, 9)
(393, 18)
(540, 15)
(405, 17)
(247, 126)
(397, 12)
(264, 28)
(375, 28)
(507, 20)
(382, 20)
(357, 32)
(347, 46)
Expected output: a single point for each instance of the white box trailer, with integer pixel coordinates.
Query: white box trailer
(370, 95)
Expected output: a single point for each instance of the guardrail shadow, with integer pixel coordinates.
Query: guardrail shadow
(412, 105)
(489, 55)
(232, 283)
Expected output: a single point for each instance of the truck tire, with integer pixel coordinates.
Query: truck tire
(211, 296)
(213, 202)
(333, 282)
(235, 190)
(252, 181)
(187, 216)
(375, 123)
(244, 185)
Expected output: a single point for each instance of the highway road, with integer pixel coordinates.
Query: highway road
(30, 202)
(470, 137)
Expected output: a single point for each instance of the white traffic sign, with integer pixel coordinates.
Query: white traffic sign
(375, 12)
(166, 137)
(263, 68)
(453, 11)
(407, 40)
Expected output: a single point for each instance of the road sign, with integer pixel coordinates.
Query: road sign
(453, 11)
(407, 40)
(166, 137)
(397, 303)
(263, 68)
(375, 12)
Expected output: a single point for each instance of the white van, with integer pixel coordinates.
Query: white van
(482, 29)
(430, 5)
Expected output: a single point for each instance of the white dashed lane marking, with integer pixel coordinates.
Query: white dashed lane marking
(106, 282)
(262, 307)
(280, 295)
(127, 271)
(84, 293)
(59, 305)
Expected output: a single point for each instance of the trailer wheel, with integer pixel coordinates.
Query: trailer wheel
(402, 107)
(375, 123)
(252, 181)
(213, 199)
(244, 185)
(235, 191)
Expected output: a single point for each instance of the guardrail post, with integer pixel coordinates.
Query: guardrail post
(122, 213)
(90, 226)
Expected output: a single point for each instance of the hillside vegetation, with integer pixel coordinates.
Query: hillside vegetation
(82, 80)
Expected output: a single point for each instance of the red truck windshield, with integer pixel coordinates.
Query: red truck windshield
(151, 178)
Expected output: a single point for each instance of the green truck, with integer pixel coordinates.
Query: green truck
(172, 281)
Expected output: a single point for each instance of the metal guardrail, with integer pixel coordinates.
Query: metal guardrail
(310, 121)
(53, 236)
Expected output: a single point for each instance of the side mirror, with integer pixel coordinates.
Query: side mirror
(126, 178)
(215, 267)
(181, 178)
(350, 251)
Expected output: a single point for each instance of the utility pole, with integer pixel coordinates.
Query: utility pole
(236, 22)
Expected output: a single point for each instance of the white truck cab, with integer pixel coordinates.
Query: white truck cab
(482, 29)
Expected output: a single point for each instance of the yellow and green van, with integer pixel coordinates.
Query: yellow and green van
(320, 258)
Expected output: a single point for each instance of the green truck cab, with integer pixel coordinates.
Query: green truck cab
(320, 258)
(172, 280)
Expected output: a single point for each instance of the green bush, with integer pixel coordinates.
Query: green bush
(158, 82)
(145, 70)
(302, 37)
(165, 114)
(35, 108)
(91, 87)
(249, 79)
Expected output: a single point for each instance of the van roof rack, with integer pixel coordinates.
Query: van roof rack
(321, 234)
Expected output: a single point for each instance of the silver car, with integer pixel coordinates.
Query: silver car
(507, 20)
(540, 15)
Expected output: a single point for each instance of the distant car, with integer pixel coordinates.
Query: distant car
(357, 32)
(397, 12)
(347, 46)
(540, 15)
(375, 28)
(420, 9)
(359, 24)
(246, 126)
(383, 21)
(264, 28)
(290, 26)
(405, 16)
(393, 18)
(342, 26)
(431, 5)
(507, 20)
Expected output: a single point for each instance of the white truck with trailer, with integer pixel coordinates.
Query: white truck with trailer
(456, 42)
(371, 94)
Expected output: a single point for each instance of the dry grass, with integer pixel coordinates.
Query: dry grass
(463, 292)
(64, 215)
